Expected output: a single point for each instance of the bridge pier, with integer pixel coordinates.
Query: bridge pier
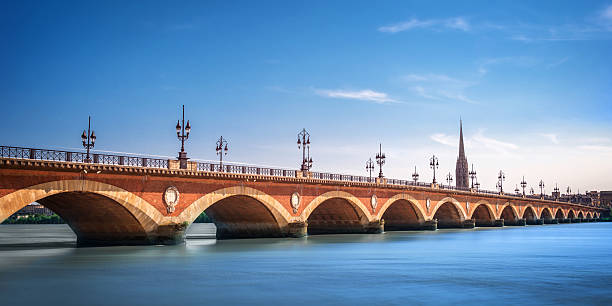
(297, 229)
(576, 220)
(551, 221)
(470, 223)
(535, 222)
(376, 227)
(565, 220)
(430, 225)
(518, 222)
(490, 223)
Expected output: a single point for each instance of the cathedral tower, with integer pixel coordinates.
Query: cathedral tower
(461, 170)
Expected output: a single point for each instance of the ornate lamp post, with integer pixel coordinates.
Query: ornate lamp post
(500, 181)
(370, 167)
(89, 139)
(434, 164)
(531, 191)
(541, 184)
(182, 132)
(569, 190)
(303, 143)
(477, 185)
(516, 190)
(380, 160)
(472, 174)
(221, 149)
(523, 184)
(449, 179)
(415, 176)
(556, 190)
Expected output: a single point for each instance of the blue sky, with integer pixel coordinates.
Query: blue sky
(531, 81)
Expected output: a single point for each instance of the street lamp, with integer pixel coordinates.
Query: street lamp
(477, 185)
(500, 181)
(531, 191)
(89, 139)
(472, 175)
(303, 142)
(415, 176)
(370, 167)
(434, 164)
(556, 190)
(182, 132)
(523, 184)
(569, 190)
(221, 149)
(449, 179)
(516, 190)
(380, 160)
(541, 184)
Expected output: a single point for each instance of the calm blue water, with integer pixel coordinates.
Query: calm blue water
(552, 264)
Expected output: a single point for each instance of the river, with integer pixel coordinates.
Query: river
(550, 264)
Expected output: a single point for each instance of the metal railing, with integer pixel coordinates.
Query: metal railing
(148, 162)
(81, 157)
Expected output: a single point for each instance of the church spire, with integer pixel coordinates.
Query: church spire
(461, 150)
(461, 170)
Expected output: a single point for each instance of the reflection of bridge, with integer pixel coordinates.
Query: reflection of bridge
(137, 200)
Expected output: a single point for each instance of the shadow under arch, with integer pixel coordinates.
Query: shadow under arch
(589, 215)
(402, 212)
(546, 214)
(571, 214)
(510, 215)
(98, 213)
(559, 214)
(449, 213)
(336, 212)
(580, 215)
(530, 214)
(483, 214)
(241, 212)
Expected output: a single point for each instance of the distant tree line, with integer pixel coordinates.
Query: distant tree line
(35, 219)
(203, 218)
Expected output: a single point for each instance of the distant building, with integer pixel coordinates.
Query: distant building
(32, 209)
(461, 169)
(605, 198)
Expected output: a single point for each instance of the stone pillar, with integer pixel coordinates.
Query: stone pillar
(498, 223)
(297, 229)
(576, 220)
(565, 220)
(430, 225)
(375, 227)
(551, 221)
(470, 223)
(518, 222)
(535, 222)
(170, 234)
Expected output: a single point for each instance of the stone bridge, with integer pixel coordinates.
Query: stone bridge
(117, 204)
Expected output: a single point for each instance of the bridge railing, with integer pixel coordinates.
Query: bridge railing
(142, 161)
(81, 157)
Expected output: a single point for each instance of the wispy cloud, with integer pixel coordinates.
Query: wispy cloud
(439, 87)
(557, 63)
(456, 23)
(444, 139)
(605, 17)
(363, 95)
(484, 65)
(552, 137)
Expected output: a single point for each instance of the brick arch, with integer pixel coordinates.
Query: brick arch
(589, 215)
(196, 208)
(402, 196)
(533, 209)
(360, 209)
(572, 212)
(559, 210)
(501, 210)
(147, 215)
(580, 215)
(546, 208)
(454, 202)
(479, 203)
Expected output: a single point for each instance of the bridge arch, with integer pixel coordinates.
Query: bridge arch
(240, 212)
(571, 214)
(401, 212)
(589, 215)
(336, 212)
(483, 214)
(97, 212)
(559, 214)
(580, 215)
(546, 214)
(449, 213)
(529, 213)
(509, 213)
